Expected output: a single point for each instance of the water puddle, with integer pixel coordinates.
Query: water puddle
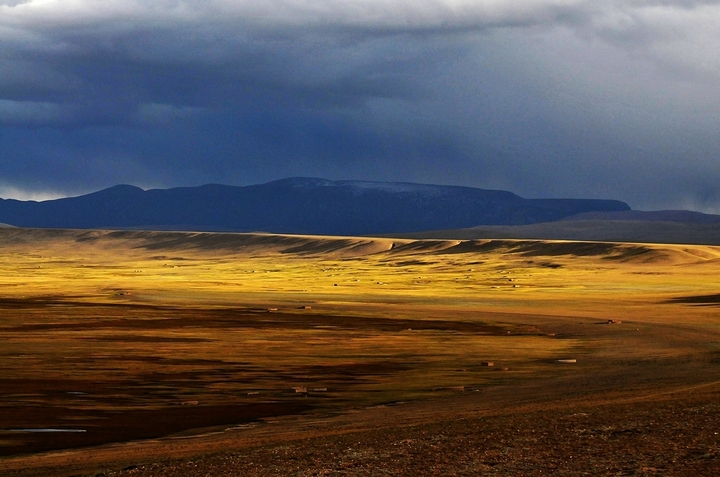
(44, 430)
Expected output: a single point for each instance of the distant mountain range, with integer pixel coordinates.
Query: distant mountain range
(298, 206)
(658, 226)
(603, 230)
(676, 216)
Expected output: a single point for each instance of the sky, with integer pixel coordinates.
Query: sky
(616, 99)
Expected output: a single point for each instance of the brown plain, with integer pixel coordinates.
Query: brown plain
(168, 353)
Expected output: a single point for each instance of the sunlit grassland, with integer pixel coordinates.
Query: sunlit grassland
(501, 278)
(97, 322)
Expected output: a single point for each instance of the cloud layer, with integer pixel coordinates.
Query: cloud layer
(616, 99)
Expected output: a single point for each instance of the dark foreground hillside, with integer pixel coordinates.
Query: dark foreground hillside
(298, 205)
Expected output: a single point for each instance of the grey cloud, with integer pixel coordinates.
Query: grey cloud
(27, 112)
(153, 113)
(13, 3)
(543, 97)
(287, 43)
(687, 4)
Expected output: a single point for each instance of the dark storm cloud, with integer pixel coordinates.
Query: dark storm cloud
(542, 97)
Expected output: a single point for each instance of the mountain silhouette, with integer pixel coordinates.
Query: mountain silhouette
(299, 206)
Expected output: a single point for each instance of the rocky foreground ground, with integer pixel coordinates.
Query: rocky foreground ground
(545, 427)
(675, 434)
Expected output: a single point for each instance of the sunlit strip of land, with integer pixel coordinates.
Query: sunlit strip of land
(244, 269)
(101, 328)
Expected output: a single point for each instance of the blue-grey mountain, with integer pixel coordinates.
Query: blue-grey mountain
(297, 205)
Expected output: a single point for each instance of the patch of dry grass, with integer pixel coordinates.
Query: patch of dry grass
(104, 324)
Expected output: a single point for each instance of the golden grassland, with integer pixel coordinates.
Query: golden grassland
(105, 331)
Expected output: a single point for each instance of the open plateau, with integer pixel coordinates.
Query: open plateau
(141, 353)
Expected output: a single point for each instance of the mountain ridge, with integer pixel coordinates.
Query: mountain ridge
(618, 231)
(298, 205)
(679, 216)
